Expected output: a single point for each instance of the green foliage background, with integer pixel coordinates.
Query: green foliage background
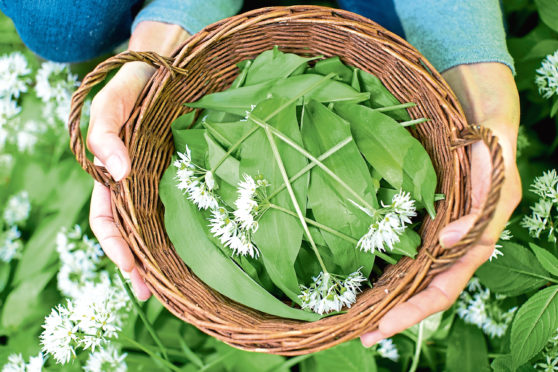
(59, 192)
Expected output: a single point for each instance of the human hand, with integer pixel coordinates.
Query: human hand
(489, 97)
(110, 108)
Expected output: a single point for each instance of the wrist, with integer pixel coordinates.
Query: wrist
(487, 94)
(158, 37)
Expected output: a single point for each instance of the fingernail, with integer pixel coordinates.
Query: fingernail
(449, 238)
(371, 339)
(116, 167)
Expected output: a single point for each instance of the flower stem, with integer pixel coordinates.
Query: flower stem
(413, 122)
(395, 107)
(293, 197)
(312, 164)
(268, 117)
(153, 355)
(143, 316)
(416, 357)
(311, 157)
(332, 231)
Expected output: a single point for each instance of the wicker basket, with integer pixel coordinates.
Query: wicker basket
(206, 63)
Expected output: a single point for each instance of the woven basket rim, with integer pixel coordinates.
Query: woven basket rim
(231, 322)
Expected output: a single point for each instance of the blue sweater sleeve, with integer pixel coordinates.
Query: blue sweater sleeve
(191, 15)
(454, 32)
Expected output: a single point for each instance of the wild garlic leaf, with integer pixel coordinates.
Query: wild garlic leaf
(279, 235)
(330, 201)
(240, 100)
(535, 322)
(380, 96)
(187, 229)
(408, 243)
(344, 73)
(274, 64)
(516, 272)
(392, 151)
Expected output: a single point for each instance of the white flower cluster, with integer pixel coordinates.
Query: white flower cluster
(189, 177)
(387, 349)
(389, 223)
(14, 75)
(236, 233)
(8, 111)
(106, 359)
(88, 321)
(16, 213)
(54, 86)
(329, 292)
(79, 256)
(548, 361)
(547, 76)
(476, 305)
(17, 364)
(546, 187)
(233, 231)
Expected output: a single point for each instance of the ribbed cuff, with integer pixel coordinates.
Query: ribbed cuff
(454, 32)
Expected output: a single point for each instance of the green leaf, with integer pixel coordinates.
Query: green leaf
(348, 357)
(380, 96)
(514, 273)
(238, 101)
(321, 130)
(24, 300)
(334, 64)
(467, 351)
(535, 322)
(187, 228)
(546, 259)
(407, 244)
(392, 151)
(548, 9)
(279, 235)
(541, 49)
(503, 364)
(274, 64)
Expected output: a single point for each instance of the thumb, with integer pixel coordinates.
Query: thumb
(110, 109)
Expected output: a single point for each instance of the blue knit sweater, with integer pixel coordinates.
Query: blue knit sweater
(446, 32)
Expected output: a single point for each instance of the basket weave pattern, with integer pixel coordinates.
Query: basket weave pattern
(205, 64)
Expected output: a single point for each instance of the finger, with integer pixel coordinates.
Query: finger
(440, 294)
(103, 226)
(138, 284)
(110, 108)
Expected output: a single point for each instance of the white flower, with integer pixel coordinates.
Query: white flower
(106, 359)
(546, 186)
(403, 206)
(10, 244)
(189, 178)
(547, 76)
(550, 364)
(36, 363)
(330, 293)
(59, 334)
(17, 208)
(385, 231)
(13, 71)
(230, 234)
(387, 349)
(248, 209)
(505, 235)
(28, 134)
(495, 253)
(15, 364)
(477, 305)
(8, 110)
(54, 81)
